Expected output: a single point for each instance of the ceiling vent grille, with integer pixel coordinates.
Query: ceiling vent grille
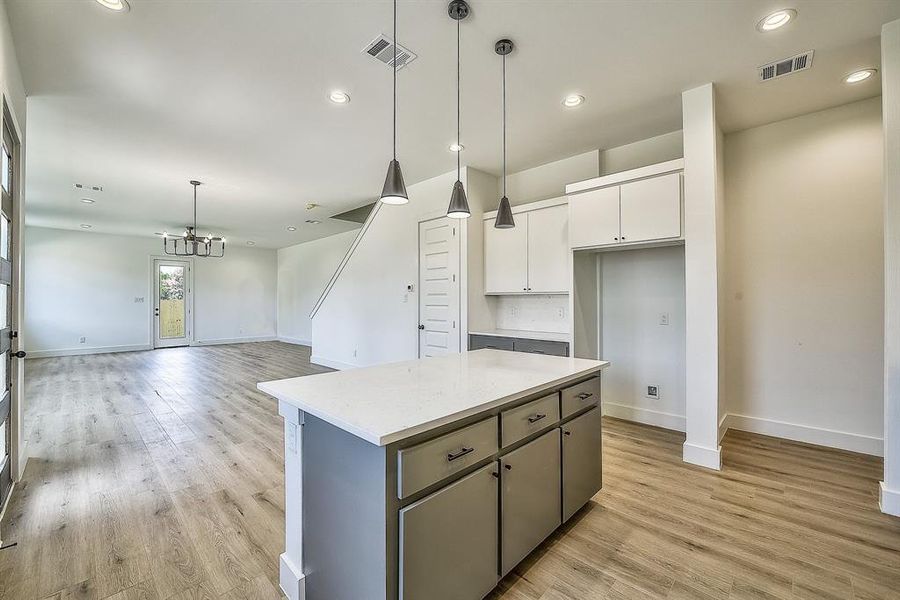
(780, 68)
(382, 49)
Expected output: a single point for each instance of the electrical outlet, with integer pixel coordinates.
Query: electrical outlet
(354, 353)
(292, 438)
(653, 392)
(664, 318)
(562, 313)
(82, 340)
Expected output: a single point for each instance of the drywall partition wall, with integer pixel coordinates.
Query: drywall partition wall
(368, 316)
(549, 180)
(482, 193)
(703, 233)
(586, 304)
(642, 313)
(804, 338)
(98, 286)
(303, 272)
(642, 153)
(890, 88)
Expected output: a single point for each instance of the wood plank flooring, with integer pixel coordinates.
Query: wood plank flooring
(157, 475)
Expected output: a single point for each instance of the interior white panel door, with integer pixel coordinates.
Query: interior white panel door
(506, 258)
(548, 250)
(438, 287)
(594, 218)
(651, 208)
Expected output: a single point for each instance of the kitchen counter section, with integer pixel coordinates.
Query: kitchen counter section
(548, 336)
(389, 403)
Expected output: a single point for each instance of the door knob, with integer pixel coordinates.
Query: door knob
(19, 354)
(421, 326)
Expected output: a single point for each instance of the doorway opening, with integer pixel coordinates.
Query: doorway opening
(172, 305)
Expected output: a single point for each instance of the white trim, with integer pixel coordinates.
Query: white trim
(819, 436)
(889, 500)
(711, 458)
(524, 208)
(292, 340)
(662, 168)
(240, 340)
(94, 350)
(290, 579)
(332, 364)
(644, 415)
(5, 505)
(346, 259)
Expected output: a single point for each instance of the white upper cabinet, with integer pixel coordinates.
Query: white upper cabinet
(506, 258)
(548, 250)
(594, 218)
(532, 257)
(651, 209)
(626, 212)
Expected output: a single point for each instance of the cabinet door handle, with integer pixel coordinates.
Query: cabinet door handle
(536, 418)
(537, 352)
(567, 433)
(507, 467)
(584, 395)
(451, 456)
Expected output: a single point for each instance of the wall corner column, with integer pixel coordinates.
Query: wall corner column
(704, 243)
(291, 569)
(890, 98)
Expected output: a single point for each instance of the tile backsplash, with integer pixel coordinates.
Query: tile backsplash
(531, 313)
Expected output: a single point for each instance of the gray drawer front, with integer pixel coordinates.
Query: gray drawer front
(541, 347)
(529, 497)
(582, 395)
(448, 541)
(431, 461)
(582, 472)
(520, 422)
(478, 342)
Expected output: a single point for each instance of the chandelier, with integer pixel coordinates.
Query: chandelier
(191, 243)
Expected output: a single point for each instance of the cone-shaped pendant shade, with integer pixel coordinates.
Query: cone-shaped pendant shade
(394, 191)
(459, 204)
(504, 218)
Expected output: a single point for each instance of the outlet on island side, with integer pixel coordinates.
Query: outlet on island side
(82, 340)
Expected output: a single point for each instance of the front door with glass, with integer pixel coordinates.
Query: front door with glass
(172, 306)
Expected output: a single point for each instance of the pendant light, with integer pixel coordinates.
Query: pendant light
(459, 204)
(191, 243)
(394, 191)
(504, 218)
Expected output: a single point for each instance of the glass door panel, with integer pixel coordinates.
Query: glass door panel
(172, 306)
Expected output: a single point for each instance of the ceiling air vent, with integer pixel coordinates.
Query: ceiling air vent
(780, 68)
(382, 48)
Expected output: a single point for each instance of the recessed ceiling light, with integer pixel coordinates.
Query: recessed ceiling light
(291, 228)
(339, 97)
(861, 75)
(777, 19)
(116, 5)
(87, 200)
(573, 100)
(85, 226)
(313, 221)
(456, 147)
(251, 243)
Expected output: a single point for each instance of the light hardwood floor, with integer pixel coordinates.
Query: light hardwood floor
(157, 475)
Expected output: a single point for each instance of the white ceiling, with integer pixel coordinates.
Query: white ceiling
(236, 94)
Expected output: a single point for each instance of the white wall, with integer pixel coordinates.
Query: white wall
(549, 180)
(804, 302)
(303, 272)
(650, 151)
(82, 284)
(637, 288)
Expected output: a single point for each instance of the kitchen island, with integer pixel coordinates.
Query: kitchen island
(431, 479)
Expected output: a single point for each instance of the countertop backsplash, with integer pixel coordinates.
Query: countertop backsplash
(533, 313)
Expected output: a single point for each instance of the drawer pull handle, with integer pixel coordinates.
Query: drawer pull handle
(584, 395)
(451, 457)
(536, 418)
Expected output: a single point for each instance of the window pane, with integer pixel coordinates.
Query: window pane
(7, 168)
(171, 302)
(4, 308)
(4, 237)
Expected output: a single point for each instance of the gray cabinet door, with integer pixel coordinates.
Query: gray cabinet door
(448, 541)
(479, 342)
(582, 468)
(541, 347)
(530, 502)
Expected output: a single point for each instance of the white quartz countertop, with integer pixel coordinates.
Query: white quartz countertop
(549, 336)
(389, 403)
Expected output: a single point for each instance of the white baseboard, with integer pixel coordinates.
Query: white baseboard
(327, 362)
(293, 340)
(803, 433)
(240, 340)
(643, 415)
(711, 458)
(290, 579)
(889, 500)
(89, 350)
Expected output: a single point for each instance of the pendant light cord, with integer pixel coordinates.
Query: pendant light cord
(504, 125)
(195, 210)
(459, 151)
(395, 79)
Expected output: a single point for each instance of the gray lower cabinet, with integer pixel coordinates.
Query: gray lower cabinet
(581, 463)
(479, 342)
(448, 540)
(530, 499)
